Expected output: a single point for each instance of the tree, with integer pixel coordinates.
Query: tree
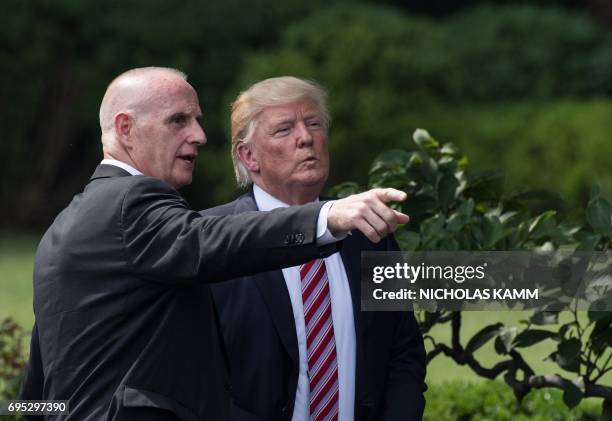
(454, 209)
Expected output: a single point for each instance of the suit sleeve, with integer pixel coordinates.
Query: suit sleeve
(404, 399)
(165, 241)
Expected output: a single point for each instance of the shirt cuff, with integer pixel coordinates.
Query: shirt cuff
(324, 236)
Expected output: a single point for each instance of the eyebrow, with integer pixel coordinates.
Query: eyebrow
(182, 114)
(282, 120)
(174, 116)
(291, 119)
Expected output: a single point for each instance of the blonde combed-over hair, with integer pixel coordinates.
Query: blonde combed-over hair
(269, 93)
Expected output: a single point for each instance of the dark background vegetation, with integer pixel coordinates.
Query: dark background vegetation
(522, 86)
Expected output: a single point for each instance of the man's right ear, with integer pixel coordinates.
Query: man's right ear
(248, 158)
(123, 127)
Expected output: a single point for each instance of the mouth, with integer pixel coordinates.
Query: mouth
(188, 158)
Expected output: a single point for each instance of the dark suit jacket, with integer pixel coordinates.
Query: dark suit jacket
(125, 324)
(259, 331)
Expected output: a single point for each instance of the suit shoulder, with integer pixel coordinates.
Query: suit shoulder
(221, 210)
(139, 183)
(241, 204)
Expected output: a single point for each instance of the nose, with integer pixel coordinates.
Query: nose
(198, 136)
(304, 135)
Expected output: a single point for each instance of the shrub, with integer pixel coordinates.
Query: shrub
(12, 358)
(493, 400)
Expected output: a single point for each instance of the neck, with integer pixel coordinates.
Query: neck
(293, 196)
(123, 157)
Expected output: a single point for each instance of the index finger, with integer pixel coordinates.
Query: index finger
(392, 195)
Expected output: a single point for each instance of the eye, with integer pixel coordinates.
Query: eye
(282, 130)
(178, 119)
(315, 124)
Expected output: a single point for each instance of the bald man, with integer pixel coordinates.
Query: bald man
(125, 325)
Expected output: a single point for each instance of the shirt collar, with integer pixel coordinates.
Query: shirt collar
(121, 165)
(265, 201)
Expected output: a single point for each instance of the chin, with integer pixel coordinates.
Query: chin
(312, 180)
(180, 183)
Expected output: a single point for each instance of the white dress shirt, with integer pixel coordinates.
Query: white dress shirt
(342, 317)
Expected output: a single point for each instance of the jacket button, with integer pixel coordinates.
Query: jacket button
(284, 410)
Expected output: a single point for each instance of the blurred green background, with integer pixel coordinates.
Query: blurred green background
(525, 87)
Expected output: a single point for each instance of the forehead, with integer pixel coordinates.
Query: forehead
(174, 97)
(289, 112)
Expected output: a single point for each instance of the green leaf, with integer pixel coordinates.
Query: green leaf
(415, 160)
(486, 186)
(449, 149)
(448, 244)
(431, 230)
(568, 353)
(447, 187)
(543, 225)
(493, 231)
(588, 242)
(483, 336)
(391, 158)
(532, 336)
(552, 198)
(572, 395)
(344, 189)
(423, 140)
(601, 335)
(565, 328)
(599, 216)
(461, 217)
(598, 315)
(551, 357)
(542, 318)
(408, 240)
(499, 346)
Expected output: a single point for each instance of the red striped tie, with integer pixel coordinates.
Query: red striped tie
(320, 342)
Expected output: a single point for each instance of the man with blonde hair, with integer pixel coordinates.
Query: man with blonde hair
(125, 326)
(299, 348)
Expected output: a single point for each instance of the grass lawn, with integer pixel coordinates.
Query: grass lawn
(16, 259)
(443, 368)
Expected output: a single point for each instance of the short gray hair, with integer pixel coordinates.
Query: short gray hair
(127, 90)
(269, 93)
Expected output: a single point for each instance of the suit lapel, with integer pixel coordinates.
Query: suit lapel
(351, 258)
(276, 296)
(274, 291)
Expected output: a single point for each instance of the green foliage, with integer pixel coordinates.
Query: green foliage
(521, 51)
(480, 78)
(387, 73)
(453, 208)
(12, 358)
(59, 56)
(492, 400)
